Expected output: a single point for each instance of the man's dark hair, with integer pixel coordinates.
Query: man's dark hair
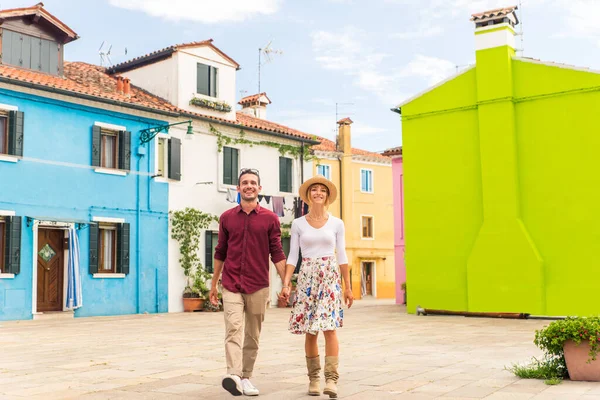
(251, 171)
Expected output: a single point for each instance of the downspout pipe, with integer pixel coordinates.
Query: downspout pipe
(137, 234)
(302, 163)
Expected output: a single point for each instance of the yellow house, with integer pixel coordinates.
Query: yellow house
(365, 204)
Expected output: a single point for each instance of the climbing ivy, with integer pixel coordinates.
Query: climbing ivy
(284, 149)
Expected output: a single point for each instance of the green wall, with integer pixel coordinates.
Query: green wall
(502, 189)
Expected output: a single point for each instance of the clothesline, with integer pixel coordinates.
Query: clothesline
(278, 202)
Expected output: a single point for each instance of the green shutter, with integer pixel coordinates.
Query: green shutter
(175, 159)
(123, 249)
(202, 79)
(125, 150)
(227, 172)
(12, 254)
(213, 81)
(208, 251)
(96, 147)
(15, 133)
(289, 174)
(285, 174)
(94, 247)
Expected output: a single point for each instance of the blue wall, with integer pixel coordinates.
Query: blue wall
(55, 180)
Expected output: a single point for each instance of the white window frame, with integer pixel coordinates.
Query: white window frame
(372, 227)
(165, 177)
(372, 181)
(217, 91)
(109, 220)
(326, 167)
(8, 157)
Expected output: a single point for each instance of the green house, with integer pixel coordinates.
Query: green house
(502, 184)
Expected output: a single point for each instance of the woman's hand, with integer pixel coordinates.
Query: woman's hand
(348, 297)
(285, 294)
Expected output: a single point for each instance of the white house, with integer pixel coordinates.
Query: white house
(201, 169)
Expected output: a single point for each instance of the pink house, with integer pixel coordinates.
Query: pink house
(398, 183)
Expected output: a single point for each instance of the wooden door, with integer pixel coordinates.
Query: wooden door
(369, 275)
(50, 270)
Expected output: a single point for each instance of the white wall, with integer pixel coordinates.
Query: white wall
(159, 78)
(201, 162)
(188, 59)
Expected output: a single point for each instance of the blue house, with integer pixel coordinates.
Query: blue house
(83, 221)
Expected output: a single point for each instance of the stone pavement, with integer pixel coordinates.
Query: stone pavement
(385, 354)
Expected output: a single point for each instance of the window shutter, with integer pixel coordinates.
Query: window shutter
(235, 156)
(282, 175)
(289, 174)
(94, 244)
(175, 159)
(213, 81)
(13, 245)
(125, 150)
(227, 172)
(123, 248)
(96, 147)
(285, 174)
(15, 133)
(202, 79)
(208, 251)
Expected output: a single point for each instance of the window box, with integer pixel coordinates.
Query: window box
(211, 104)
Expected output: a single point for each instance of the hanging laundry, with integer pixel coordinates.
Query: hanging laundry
(238, 198)
(267, 199)
(260, 198)
(304, 208)
(278, 206)
(232, 195)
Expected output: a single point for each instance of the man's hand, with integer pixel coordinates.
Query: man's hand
(213, 296)
(285, 294)
(348, 297)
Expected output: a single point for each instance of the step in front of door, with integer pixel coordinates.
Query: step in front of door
(53, 315)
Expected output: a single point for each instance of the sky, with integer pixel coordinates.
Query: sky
(365, 55)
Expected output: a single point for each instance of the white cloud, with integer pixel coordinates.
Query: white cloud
(347, 52)
(208, 12)
(419, 33)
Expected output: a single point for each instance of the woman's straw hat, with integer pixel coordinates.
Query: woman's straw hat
(318, 179)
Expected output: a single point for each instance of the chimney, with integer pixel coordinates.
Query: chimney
(344, 140)
(255, 105)
(119, 84)
(126, 86)
(495, 49)
(495, 28)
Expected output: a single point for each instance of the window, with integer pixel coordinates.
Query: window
(231, 158)
(367, 227)
(324, 170)
(206, 80)
(366, 180)
(169, 158)
(109, 248)
(11, 133)
(10, 245)
(285, 174)
(211, 239)
(30, 52)
(111, 148)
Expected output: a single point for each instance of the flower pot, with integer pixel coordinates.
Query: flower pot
(576, 357)
(191, 304)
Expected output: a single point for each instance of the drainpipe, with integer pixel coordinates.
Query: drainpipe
(341, 188)
(140, 154)
(302, 163)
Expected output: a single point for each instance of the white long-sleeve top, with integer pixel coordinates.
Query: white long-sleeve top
(322, 242)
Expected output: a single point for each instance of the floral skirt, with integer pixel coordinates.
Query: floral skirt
(318, 303)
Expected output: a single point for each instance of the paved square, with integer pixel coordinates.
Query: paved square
(385, 354)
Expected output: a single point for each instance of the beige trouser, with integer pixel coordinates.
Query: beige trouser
(244, 314)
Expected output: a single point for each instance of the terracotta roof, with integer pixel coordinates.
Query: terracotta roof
(39, 11)
(328, 145)
(162, 54)
(257, 123)
(394, 151)
(495, 13)
(254, 99)
(87, 79)
(345, 121)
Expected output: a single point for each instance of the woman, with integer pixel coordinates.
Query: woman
(318, 304)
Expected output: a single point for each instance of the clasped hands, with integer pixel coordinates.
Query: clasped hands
(348, 296)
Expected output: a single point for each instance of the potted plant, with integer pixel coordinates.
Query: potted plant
(575, 342)
(187, 227)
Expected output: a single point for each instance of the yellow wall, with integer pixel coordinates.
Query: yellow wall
(378, 204)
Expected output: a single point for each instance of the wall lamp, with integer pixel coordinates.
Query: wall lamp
(148, 134)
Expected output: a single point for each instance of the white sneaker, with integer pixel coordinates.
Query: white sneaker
(233, 384)
(249, 389)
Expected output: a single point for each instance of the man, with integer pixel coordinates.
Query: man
(248, 233)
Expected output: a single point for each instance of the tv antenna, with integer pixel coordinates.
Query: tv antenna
(520, 33)
(268, 53)
(104, 56)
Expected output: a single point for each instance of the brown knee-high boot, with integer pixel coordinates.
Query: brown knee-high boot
(313, 364)
(331, 376)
